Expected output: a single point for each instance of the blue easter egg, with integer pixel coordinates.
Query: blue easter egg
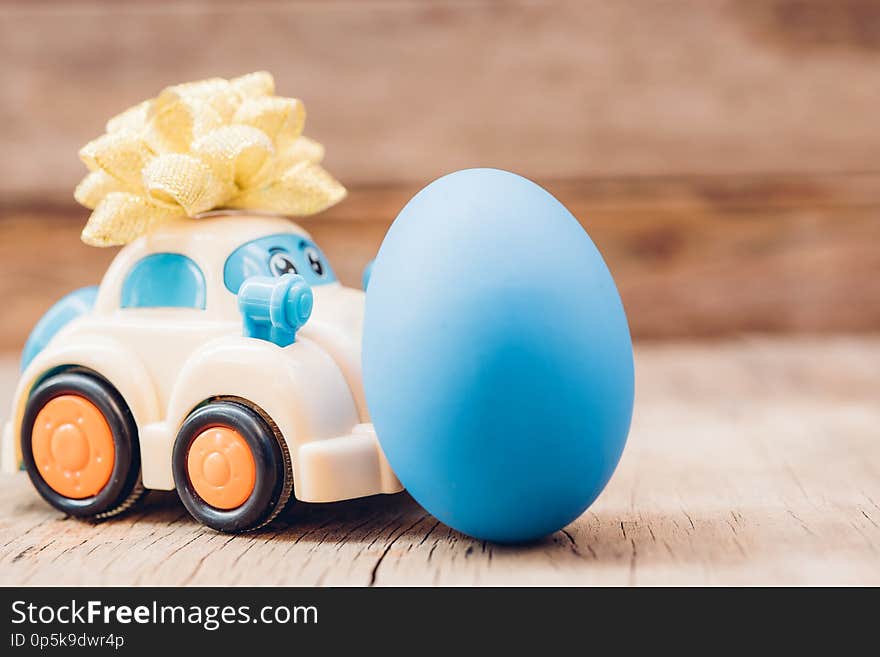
(498, 364)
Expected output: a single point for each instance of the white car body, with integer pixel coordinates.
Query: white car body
(167, 361)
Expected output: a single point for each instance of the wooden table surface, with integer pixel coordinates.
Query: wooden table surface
(752, 461)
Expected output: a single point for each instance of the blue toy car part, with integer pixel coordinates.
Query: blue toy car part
(277, 255)
(66, 309)
(498, 366)
(164, 280)
(274, 309)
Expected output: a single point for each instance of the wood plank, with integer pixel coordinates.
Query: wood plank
(403, 90)
(750, 462)
(692, 256)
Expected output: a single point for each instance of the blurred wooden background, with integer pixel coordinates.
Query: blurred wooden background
(725, 156)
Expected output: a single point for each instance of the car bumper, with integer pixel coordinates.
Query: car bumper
(343, 468)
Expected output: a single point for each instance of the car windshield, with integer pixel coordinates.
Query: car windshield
(276, 255)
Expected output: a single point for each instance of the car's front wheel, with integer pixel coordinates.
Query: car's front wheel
(231, 470)
(79, 445)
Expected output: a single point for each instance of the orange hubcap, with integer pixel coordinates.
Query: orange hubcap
(73, 446)
(221, 467)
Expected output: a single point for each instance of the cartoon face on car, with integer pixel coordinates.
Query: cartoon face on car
(276, 255)
(219, 357)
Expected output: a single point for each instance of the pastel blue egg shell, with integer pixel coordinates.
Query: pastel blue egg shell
(498, 364)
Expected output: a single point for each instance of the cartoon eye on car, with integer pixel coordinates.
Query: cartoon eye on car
(220, 358)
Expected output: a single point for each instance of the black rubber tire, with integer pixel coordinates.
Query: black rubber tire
(124, 488)
(274, 478)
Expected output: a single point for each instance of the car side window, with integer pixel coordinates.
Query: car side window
(164, 280)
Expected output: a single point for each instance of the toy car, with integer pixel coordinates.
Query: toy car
(219, 357)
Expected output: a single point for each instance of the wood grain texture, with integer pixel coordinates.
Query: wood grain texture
(750, 462)
(692, 256)
(407, 90)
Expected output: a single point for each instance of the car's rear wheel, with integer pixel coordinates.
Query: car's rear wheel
(79, 445)
(231, 469)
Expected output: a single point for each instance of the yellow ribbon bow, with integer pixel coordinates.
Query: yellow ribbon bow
(197, 147)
